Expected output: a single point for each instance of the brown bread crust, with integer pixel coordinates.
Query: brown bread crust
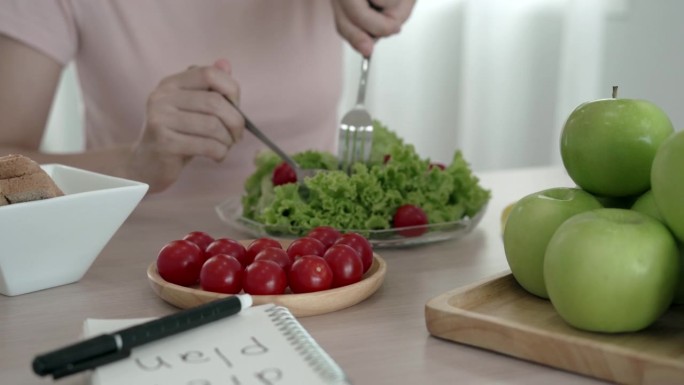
(15, 165)
(22, 180)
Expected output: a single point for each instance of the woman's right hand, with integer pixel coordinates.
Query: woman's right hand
(187, 116)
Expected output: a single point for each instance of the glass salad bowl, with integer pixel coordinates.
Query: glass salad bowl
(230, 212)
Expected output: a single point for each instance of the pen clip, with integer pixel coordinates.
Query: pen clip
(89, 364)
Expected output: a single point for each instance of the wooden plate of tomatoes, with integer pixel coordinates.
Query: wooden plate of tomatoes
(300, 304)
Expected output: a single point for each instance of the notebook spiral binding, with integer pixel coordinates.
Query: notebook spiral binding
(307, 347)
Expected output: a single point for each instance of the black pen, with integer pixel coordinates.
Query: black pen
(106, 348)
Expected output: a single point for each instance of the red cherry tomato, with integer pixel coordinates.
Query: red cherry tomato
(230, 247)
(180, 262)
(310, 273)
(326, 234)
(222, 274)
(410, 215)
(277, 255)
(305, 246)
(283, 174)
(264, 278)
(386, 158)
(436, 164)
(359, 243)
(200, 238)
(259, 244)
(345, 264)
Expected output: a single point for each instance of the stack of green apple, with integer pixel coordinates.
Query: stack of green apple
(609, 252)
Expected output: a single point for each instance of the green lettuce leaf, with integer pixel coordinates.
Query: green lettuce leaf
(366, 199)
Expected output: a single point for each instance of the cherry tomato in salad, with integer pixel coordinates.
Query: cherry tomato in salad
(222, 274)
(283, 174)
(180, 262)
(362, 246)
(345, 264)
(326, 234)
(264, 278)
(310, 273)
(230, 247)
(200, 238)
(305, 246)
(259, 244)
(410, 215)
(440, 166)
(277, 255)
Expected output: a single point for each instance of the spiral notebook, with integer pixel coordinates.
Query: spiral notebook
(261, 345)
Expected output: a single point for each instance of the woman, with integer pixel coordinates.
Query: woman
(155, 75)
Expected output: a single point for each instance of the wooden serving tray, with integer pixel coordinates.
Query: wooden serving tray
(497, 314)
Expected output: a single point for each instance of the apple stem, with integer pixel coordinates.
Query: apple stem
(615, 91)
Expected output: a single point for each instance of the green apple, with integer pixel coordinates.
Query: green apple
(667, 179)
(529, 226)
(608, 145)
(646, 204)
(611, 270)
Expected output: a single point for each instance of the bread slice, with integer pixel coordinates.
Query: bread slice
(3, 200)
(22, 180)
(14, 165)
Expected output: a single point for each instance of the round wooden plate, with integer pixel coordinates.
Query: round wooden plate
(301, 305)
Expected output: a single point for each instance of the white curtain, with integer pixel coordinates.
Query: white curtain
(494, 78)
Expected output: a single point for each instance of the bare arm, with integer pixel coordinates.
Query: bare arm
(29, 79)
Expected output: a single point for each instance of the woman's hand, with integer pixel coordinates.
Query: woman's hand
(187, 115)
(360, 22)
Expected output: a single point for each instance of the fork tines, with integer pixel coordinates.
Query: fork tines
(355, 144)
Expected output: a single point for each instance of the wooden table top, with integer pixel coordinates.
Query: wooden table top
(382, 340)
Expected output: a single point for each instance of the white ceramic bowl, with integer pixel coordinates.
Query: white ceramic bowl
(53, 242)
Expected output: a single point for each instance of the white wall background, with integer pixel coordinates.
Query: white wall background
(65, 123)
(496, 78)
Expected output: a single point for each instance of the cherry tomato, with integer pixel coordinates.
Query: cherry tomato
(359, 243)
(326, 234)
(440, 166)
(264, 278)
(230, 247)
(345, 264)
(180, 262)
(310, 273)
(386, 158)
(222, 274)
(410, 215)
(200, 238)
(259, 244)
(305, 246)
(277, 255)
(283, 174)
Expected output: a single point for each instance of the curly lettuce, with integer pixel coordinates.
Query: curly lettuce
(259, 188)
(368, 197)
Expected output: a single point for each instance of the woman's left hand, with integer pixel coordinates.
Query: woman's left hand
(360, 22)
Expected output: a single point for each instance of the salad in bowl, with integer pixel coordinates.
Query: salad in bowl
(397, 198)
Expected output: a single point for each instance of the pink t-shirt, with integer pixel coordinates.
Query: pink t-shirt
(286, 55)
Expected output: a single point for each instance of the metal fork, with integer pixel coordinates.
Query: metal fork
(300, 172)
(356, 128)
